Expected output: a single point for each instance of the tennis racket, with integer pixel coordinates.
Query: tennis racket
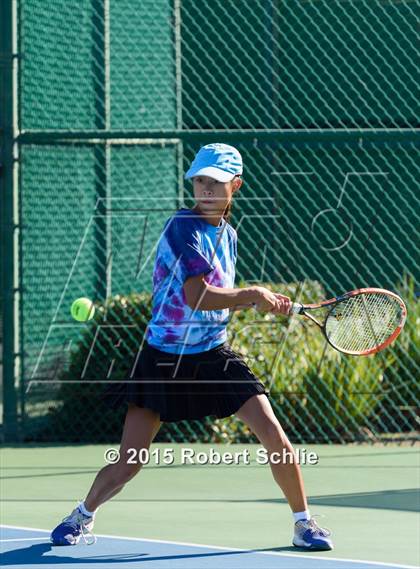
(360, 322)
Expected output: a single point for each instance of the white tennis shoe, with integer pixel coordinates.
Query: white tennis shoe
(72, 528)
(310, 536)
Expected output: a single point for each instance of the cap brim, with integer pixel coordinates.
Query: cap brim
(211, 172)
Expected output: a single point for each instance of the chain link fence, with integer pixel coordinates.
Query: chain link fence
(320, 97)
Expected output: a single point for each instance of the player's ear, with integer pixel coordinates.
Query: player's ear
(237, 183)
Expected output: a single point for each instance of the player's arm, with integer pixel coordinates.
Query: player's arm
(202, 296)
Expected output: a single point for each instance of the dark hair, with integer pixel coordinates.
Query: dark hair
(228, 211)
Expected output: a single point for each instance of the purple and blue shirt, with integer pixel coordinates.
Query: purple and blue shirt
(190, 246)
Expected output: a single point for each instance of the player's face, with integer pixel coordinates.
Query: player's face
(213, 196)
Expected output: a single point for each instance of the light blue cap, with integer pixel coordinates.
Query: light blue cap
(219, 161)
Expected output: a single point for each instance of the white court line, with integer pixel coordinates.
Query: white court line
(218, 547)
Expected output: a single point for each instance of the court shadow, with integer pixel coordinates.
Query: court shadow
(285, 548)
(407, 499)
(35, 555)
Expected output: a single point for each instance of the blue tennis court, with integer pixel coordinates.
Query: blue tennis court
(23, 547)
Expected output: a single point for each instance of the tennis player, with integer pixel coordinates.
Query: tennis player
(186, 369)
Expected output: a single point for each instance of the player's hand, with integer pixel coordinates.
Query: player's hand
(267, 301)
(284, 304)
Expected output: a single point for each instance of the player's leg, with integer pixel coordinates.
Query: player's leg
(258, 414)
(140, 428)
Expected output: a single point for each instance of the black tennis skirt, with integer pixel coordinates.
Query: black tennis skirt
(188, 386)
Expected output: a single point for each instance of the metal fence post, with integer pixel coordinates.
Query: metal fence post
(9, 261)
(101, 72)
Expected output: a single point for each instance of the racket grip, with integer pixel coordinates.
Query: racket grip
(297, 308)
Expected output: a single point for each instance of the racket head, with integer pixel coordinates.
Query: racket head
(365, 321)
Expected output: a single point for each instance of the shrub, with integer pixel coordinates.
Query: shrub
(401, 387)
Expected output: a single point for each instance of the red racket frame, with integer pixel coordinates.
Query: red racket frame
(300, 309)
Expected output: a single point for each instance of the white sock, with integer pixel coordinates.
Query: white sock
(305, 515)
(84, 511)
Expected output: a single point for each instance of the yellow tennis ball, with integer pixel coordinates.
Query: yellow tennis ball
(82, 309)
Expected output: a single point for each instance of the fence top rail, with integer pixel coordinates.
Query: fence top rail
(282, 136)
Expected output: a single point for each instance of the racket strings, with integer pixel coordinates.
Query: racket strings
(363, 322)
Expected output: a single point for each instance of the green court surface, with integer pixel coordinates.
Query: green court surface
(368, 495)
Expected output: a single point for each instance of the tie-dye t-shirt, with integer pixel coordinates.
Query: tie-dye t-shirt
(190, 246)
